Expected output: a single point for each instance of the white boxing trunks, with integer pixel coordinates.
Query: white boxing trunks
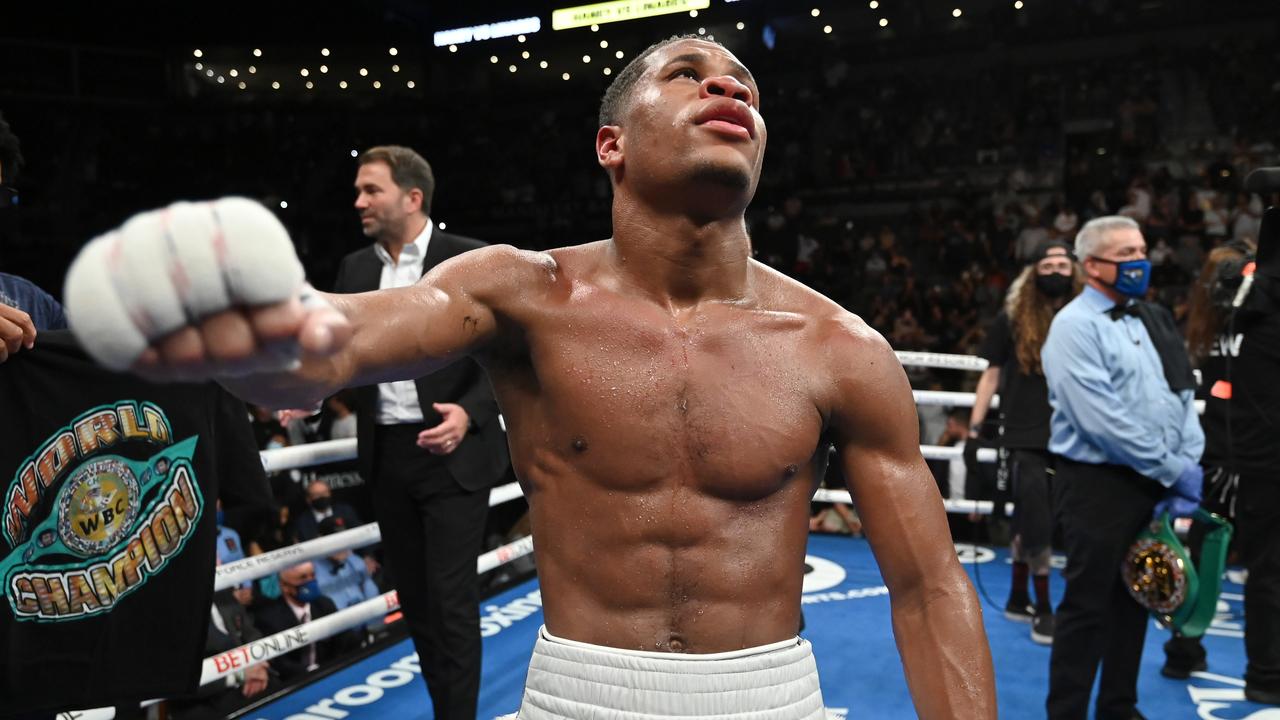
(570, 680)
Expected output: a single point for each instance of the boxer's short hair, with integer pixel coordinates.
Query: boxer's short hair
(619, 91)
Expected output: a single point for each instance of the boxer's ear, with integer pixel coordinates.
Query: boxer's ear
(609, 148)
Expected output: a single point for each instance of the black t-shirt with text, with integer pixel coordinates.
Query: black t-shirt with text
(1024, 398)
(107, 527)
(1243, 433)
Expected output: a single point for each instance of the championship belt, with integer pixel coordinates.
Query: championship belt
(1160, 576)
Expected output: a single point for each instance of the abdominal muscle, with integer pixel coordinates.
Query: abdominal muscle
(705, 576)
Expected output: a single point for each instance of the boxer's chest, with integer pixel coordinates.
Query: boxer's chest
(721, 399)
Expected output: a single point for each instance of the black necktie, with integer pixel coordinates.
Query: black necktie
(1123, 309)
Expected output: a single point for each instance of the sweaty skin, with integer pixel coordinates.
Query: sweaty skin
(669, 402)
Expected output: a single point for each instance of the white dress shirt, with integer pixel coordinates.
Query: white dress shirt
(303, 613)
(398, 401)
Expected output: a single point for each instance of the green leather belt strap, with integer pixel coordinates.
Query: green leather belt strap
(1192, 619)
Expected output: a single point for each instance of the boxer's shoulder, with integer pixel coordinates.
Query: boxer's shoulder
(823, 317)
(499, 276)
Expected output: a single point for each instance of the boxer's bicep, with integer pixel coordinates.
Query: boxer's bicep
(878, 438)
(452, 312)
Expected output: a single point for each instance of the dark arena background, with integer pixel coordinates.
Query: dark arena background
(919, 153)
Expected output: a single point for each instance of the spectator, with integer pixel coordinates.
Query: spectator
(20, 293)
(230, 626)
(301, 602)
(24, 307)
(320, 506)
(343, 576)
(231, 549)
(951, 478)
(344, 420)
(1246, 218)
(1032, 237)
(1066, 221)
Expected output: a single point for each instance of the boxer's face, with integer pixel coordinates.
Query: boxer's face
(384, 207)
(694, 114)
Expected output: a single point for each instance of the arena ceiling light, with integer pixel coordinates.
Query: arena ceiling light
(488, 31)
(620, 11)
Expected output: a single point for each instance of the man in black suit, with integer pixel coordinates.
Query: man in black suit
(231, 626)
(430, 448)
(321, 505)
(300, 602)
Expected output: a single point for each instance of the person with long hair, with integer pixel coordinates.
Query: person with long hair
(1012, 351)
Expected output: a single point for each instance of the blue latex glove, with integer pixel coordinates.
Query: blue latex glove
(1183, 497)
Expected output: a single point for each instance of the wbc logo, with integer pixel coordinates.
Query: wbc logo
(88, 528)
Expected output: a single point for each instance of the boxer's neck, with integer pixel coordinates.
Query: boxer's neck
(680, 261)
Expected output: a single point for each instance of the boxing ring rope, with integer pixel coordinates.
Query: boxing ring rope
(316, 453)
(216, 667)
(941, 361)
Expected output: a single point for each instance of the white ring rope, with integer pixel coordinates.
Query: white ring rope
(225, 663)
(941, 360)
(237, 659)
(946, 398)
(976, 507)
(256, 566)
(316, 453)
(942, 452)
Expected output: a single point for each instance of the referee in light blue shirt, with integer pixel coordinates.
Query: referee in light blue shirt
(1127, 442)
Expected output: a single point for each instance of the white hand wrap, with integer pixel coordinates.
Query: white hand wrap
(175, 266)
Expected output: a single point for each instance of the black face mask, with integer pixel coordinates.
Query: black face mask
(1054, 285)
(322, 504)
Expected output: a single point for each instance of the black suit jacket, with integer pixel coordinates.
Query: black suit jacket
(481, 459)
(305, 526)
(276, 616)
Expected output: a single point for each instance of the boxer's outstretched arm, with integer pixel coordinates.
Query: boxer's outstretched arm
(937, 620)
(404, 333)
(214, 290)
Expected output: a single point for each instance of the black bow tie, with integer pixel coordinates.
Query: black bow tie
(1121, 310)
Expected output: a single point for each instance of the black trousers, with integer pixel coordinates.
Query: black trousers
(1101, 509)
(1033, 506)
(432, 531)
(1258, 525)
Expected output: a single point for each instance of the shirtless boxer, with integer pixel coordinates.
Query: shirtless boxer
(669, 403)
